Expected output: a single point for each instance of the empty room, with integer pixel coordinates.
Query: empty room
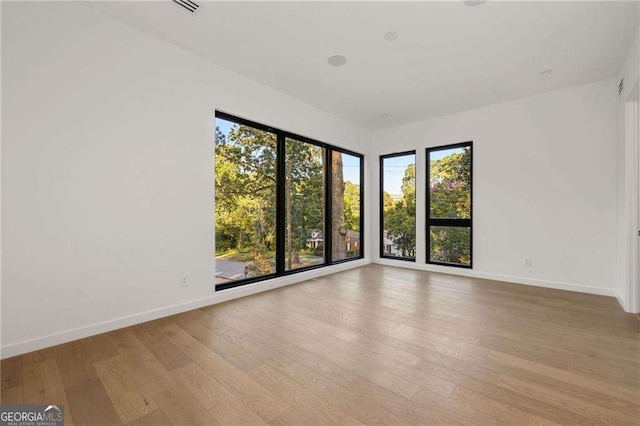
(320, 213)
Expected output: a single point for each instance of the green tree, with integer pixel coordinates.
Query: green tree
(387, 202)
(451, 186)
(352, 206)
(245, 189)
(304, 195)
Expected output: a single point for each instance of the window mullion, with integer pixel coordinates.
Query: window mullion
(328, 212)
(281, 216)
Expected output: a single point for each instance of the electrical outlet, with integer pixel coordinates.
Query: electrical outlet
(184, 280)
(526, 261)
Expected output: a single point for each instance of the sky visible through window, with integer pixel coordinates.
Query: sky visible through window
(394, 168)
(350, 164)
(224, 125)
(439, 155)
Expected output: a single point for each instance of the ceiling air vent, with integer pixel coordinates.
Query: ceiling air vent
(621, 86)
(187, 4)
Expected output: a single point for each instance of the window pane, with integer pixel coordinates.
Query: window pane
(399, 206)
(245, 208)
(304, 204)
(450, 244)
(345, 202)
(450, 184)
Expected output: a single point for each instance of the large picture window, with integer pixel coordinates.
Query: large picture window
(449, 205)
(273, 190)
(398, 206)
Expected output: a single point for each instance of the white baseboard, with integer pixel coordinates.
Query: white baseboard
(498, 277)
(621, 300)
(53, 339)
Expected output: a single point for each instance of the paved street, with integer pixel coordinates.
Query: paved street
(229, 270)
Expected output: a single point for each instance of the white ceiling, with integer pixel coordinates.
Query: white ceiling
(448, 58)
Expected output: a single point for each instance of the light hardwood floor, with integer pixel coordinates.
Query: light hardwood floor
(373, 345)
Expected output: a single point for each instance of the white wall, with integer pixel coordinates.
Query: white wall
(624, 231)
(107, 167)
(630, 69)
(544, 186)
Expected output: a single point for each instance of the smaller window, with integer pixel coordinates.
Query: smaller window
(449, 205)
(398, 206)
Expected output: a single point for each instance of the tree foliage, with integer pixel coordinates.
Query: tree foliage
(400, 217)
(451, 186)
(304, 196)
(245, 181)
(352, 206)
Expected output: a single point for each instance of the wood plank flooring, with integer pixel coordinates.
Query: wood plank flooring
(373, 345)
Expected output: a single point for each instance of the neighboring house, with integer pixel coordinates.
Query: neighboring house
(390, 247)
(316, 239)
(353, 241)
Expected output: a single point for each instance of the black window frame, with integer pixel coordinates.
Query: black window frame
(281, 136)
(382, 158)
(461, 223)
